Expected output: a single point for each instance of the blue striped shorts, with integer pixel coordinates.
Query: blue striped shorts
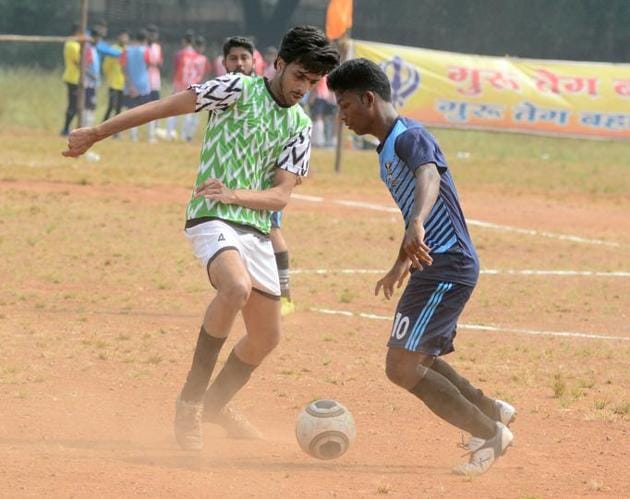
(426, 315)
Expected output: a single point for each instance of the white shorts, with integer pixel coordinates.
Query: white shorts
(210, 238)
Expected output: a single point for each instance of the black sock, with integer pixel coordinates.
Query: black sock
(234, 375)
(475, 395)
(69, 118)
(446, 401)
(282, 262)
(204, 360)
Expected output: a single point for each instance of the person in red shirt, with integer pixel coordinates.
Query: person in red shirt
(201, 71)
(183, 76)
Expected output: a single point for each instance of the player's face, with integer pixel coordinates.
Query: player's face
(295, 81)
(354, 111)
(239, 60)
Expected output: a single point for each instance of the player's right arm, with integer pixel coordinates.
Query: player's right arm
(81, 139)
(395, 276)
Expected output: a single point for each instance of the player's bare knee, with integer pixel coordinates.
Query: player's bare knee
(236, 293)
(400, 370)
(268, 342)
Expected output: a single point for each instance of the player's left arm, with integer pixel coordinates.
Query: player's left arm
(273, 199)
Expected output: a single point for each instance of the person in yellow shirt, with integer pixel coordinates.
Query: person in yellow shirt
(115, 76)
(71, 59)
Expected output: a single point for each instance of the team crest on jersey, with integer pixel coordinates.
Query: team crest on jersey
(391, 181)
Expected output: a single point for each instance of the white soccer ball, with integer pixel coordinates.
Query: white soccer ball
(325, 429)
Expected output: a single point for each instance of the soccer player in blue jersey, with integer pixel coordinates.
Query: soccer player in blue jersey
(438, 256)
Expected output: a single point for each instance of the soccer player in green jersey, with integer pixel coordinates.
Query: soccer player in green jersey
(238, 57)
(256, 148)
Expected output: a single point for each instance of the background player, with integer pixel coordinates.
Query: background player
(115, 77)
(444, 263)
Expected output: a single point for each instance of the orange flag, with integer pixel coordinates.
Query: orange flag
(338, 18)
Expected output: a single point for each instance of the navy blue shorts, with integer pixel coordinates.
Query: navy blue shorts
(276, 219)
(426, 315)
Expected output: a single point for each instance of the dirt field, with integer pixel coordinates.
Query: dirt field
(101, 301)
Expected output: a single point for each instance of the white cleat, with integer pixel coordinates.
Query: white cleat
(507, 413)
(483, 457)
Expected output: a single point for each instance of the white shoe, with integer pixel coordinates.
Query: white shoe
(482, 458)
(507, 414)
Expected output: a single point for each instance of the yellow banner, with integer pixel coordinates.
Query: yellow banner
(580, 99)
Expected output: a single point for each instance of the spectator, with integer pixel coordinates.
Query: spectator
(135, 62)
(156, 60)
(270, 55)
(322, 109)
(184, 70)
(72, 70)
(202, 71)
(115, 76)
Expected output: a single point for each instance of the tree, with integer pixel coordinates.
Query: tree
(267, 28)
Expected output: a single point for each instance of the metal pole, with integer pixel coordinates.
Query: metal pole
(81, 87)
(344, 45)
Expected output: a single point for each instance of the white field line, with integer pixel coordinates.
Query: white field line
(478, 223)
(523, 272)
(481, 327)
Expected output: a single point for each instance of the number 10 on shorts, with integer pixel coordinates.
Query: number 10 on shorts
(401, 325)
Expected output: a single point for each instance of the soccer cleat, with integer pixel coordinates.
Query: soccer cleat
(482, 458)
(505, 411)
(188, 424)
(286, 306)
(234, 423)
(506, 414)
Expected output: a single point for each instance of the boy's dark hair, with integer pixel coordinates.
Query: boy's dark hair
(141, 35)
(189, 36)
(308, 46)
(360, 75)
(200, 41)
(76, 28)
(152, 28)
(237, 41)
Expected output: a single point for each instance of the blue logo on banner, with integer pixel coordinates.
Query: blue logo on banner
(403, 77)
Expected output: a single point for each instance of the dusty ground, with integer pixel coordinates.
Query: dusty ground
(100, 305)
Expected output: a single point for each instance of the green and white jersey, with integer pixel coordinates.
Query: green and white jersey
(249, 135)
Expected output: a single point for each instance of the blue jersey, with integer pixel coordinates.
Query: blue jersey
(137, 69)
(408, 146)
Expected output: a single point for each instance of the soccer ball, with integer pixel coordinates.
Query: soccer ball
(325, 429)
